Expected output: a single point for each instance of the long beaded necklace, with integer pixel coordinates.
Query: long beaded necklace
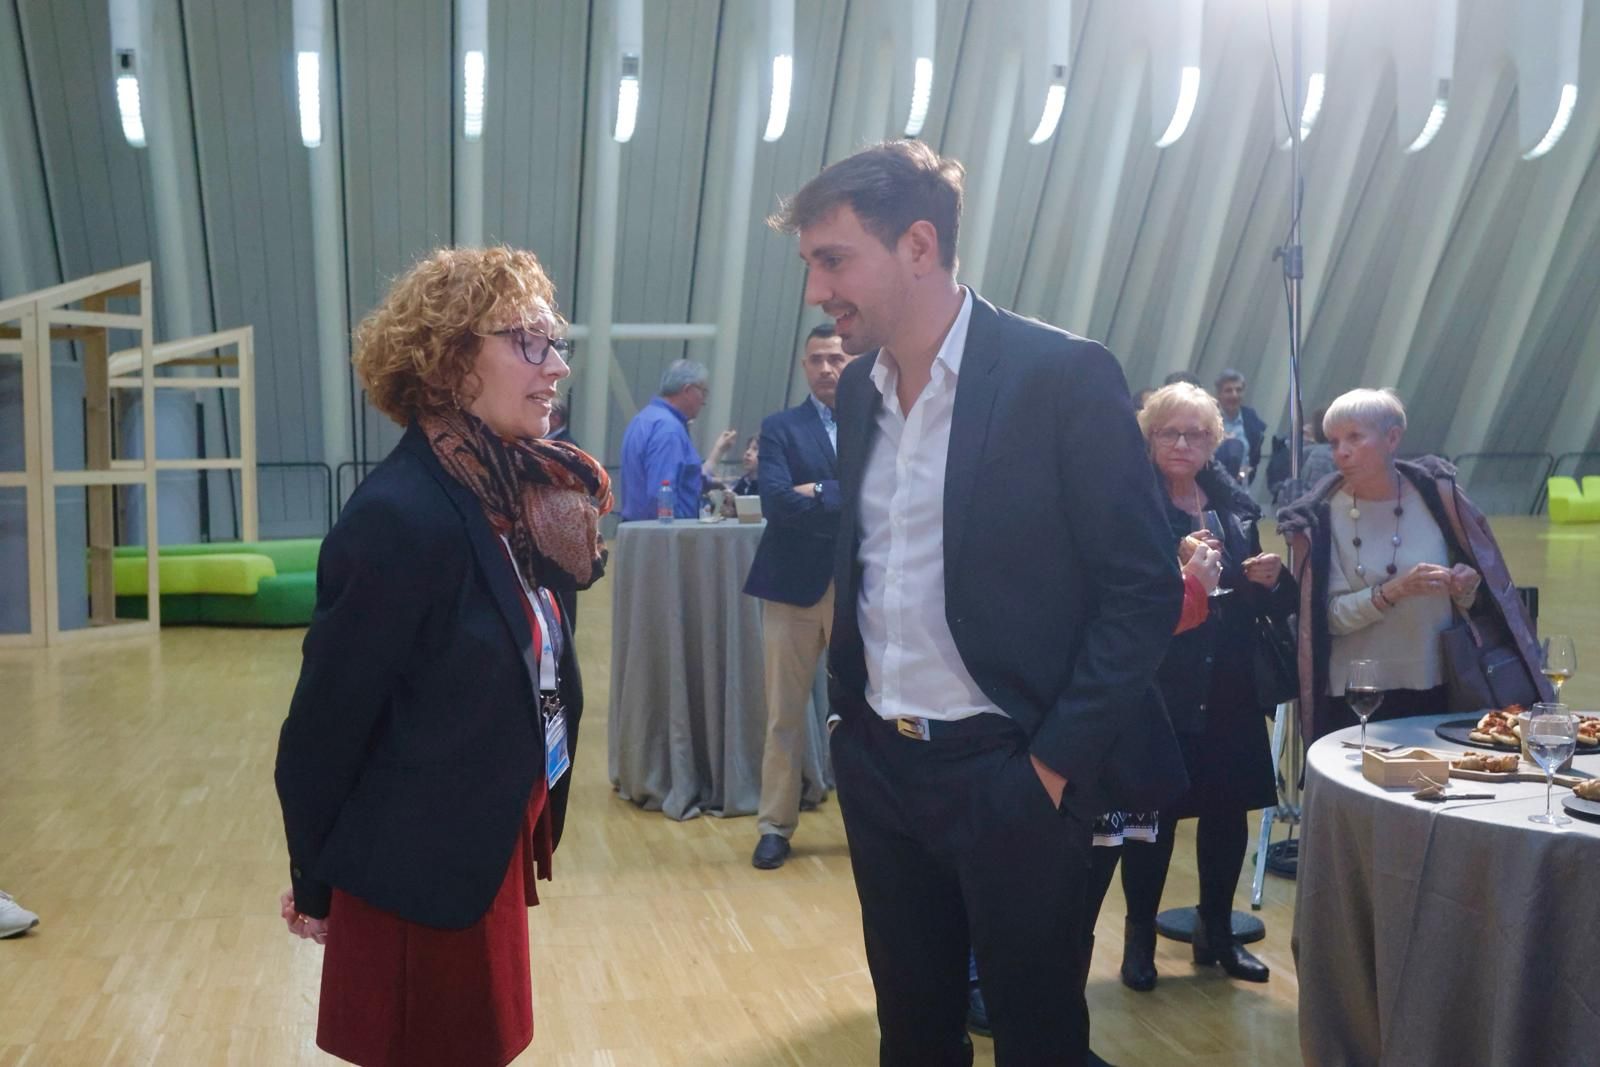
(1355, 519)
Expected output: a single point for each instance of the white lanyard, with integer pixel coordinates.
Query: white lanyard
(546, 614)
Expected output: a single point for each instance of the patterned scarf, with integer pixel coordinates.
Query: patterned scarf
(544, 497)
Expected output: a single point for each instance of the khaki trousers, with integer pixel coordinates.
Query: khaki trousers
(792, 639)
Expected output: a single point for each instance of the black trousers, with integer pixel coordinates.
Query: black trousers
(1221, 840)
(954, 842)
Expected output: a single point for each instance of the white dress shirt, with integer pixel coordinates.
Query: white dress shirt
(913, 668)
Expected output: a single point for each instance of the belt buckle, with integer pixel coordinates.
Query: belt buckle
(916, 729)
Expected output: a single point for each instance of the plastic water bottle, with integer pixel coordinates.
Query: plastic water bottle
(664, 502)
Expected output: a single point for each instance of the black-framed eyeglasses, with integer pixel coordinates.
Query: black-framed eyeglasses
(535, 348)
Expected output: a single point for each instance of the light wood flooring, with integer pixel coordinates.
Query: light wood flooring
(137, 817)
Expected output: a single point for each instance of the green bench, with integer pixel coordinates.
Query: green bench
(223, 583)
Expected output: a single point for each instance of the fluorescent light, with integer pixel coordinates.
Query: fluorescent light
(1188, 93)
(627, 109)
(1316, 87)
(921, 93)
(1055, 98)
(308, 83)
(128, 108)
(472, 80)
(1430, 129)
(1558, 126)
(778, 107)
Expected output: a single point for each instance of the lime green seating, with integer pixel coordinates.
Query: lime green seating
(224, 583)
(233, 573)
(1569, 504)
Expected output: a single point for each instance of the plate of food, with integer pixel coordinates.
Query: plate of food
(1509, 767)
(1499, 730)
(1585, 800)
(1493, 729)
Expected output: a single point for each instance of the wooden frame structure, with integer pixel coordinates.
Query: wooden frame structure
(124, 369)
(29, 325)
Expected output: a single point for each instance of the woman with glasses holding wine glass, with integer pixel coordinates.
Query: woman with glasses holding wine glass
(1208, 682)
(1389, 555)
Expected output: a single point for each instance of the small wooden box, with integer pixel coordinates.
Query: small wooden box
(1403, 766)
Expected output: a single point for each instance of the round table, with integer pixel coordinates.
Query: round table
(688, 716)
(1456, 933)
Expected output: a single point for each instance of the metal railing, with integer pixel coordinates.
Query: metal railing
(1504, 483)
(275, 517)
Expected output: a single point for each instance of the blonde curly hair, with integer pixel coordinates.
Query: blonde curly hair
(415, 351)
(1180, 398)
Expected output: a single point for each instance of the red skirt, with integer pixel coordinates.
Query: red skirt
(396, 993)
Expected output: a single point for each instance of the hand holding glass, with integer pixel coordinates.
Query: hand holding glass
(1211, 523)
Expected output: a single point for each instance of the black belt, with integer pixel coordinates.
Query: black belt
(985, 724)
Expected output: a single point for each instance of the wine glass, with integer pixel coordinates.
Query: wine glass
(1211, 523)
(1558, 660)
(1553, 735)
(1361, 692)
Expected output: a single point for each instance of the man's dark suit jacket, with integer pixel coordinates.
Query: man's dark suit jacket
(1061, 585)
(413, 742)
(794, 561)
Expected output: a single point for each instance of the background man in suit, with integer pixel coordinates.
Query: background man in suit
(1005, 588)
(1240, 423)
(793, 572)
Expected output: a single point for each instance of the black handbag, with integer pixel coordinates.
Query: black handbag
(1276, 658)
(1484, 668)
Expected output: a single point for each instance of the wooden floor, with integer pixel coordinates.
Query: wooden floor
(137, 817)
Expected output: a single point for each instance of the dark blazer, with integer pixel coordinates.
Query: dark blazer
(1189, 676)
(1061, 583)
(413, 743)
(794, 561)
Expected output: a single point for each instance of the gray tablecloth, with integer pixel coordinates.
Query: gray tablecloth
(1458, 934)
(688, 707)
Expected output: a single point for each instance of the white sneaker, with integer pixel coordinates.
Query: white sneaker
(15, 920)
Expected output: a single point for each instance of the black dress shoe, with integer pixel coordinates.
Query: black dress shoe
(977, 1012)
(1214, 944)
(1139, 955)
(770, 852)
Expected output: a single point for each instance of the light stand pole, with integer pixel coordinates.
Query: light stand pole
(1283, 857)
(1179, 923)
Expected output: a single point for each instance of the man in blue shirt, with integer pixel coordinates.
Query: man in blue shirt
(656, 446)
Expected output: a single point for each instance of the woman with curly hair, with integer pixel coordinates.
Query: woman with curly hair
(425, 763)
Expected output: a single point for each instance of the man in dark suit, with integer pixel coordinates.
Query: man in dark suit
(1242, 429)
(1005, 588)
(793, 573)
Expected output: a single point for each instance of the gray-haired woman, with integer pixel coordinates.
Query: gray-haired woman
(1386, 555)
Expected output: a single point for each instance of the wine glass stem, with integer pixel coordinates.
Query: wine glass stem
(1363, 735)
(1549, 784)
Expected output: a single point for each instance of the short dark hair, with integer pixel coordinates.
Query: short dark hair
(824, 330)
(1316, 425)
(1180, 376)
(889, 186)
(1229, 375)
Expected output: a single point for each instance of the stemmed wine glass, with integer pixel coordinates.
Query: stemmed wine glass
(1552, 737)
(1211, 523)
(1361, 692)
(1558, 660)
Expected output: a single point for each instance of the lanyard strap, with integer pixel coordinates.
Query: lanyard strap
(544, 619)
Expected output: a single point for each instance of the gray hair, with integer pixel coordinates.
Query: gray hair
(682, 373)
(1228, 375)
(1377, 409)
